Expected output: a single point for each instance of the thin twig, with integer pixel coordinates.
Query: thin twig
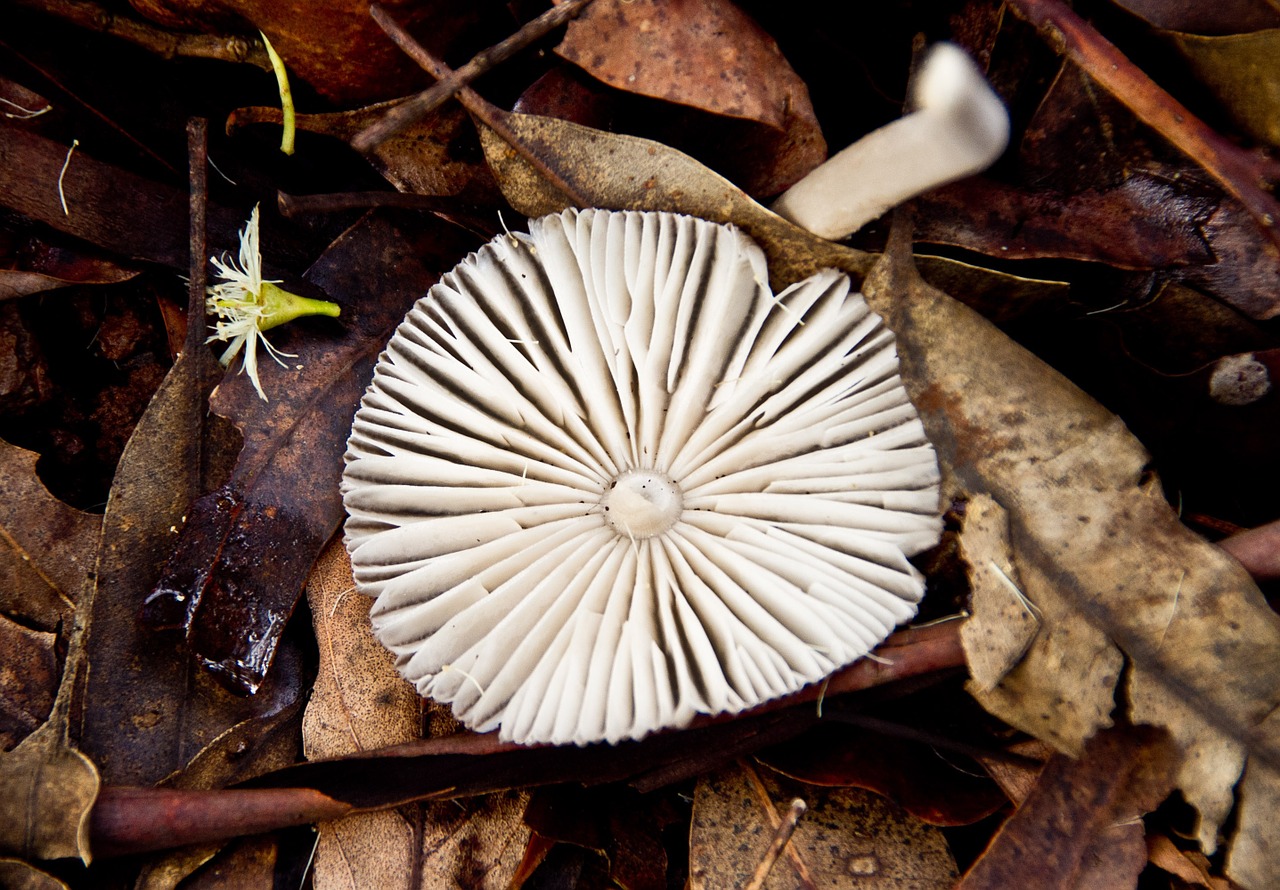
(166, 44)
(1236, 170)
(781, 836)
(488, 114)
(198, 205)
(417, 107)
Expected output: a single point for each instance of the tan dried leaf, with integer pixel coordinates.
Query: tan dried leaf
(47, 790)
(360, 702)
(848, 837)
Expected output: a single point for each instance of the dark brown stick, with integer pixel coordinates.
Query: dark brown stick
(491, 116)
(414, 109)
(1238, 172)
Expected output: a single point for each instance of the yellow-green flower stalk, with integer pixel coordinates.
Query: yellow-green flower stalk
(246, 305)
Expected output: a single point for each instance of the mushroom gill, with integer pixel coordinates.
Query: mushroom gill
(604, 480)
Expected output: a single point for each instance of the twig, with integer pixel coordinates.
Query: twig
(198, 206)
(1237, 171)
(166, 44)
(780, 838)
(417, 107)
(488, 114)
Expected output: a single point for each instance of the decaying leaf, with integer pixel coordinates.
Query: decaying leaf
(360, 702)
(47, 789)
(1240, 71)
(282, 496)
(1081, 826)
(932, 785)
(848, 838)
(46, 548)
(28, 680)
(1098, 551)
(711, 56)
(18, 875)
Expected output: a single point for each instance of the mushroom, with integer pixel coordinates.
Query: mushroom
(605, 480)
(959, 128)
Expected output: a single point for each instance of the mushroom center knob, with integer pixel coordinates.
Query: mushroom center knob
(642, 503)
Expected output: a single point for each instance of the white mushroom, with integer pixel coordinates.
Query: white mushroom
(959, 128)
(604, 480)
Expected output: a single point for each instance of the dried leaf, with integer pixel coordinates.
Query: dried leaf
(710, 56)
(1190, 868)
(1081, 825)
(360, 702)
(147, 710)
(46, 792)
(1254, 858)
(916, 776)
(47, 548)
(283, 494)
(1100, 555)
(18, 875)
(422, 159)
(1240, 71)
(29, 673)
(847, 838)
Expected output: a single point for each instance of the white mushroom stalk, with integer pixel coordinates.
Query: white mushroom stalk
(605, 480)
(959, 128)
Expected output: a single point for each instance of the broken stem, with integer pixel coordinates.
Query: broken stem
(781, 836)
(417, 107)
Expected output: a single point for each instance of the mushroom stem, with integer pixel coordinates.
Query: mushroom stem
(959, 128)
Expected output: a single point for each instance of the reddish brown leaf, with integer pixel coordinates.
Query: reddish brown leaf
(925, 782)
(710, 56)
(1080, 827)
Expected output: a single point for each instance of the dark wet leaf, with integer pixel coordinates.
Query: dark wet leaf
(930, 784)
(1240, 71)
(242, 558)
(1081, 825)
(423, 159)
(1227, 17)
(336, 47)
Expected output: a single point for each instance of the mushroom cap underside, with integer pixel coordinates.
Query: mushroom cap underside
(605, 480)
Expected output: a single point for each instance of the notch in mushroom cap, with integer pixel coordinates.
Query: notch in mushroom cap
(959, 128)
(604, 480)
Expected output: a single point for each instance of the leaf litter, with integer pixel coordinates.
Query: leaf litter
(1117, 612)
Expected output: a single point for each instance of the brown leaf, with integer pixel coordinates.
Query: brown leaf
(47, 789)
(1190, 868)
(709, 56)
(847, 838)
(914, 775)
(1227, 17)
(28, 680)
(18, 875)
(1254, 858)
(1239, 70)
(1081, 825)
(283, 495)
(146, 710)
(335, 46)
(118, 211)
(47, 548)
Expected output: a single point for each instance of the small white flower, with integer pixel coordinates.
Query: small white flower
(246, 306)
